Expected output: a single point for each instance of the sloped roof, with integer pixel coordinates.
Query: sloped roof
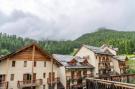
(64, 59)
(37, 47)
(120, 57)
(98, 50)
(109, 46)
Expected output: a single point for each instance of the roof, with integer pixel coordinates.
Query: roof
(33, 44)
(120, 57)
(109, 46)
(98, 50)
(65, 59)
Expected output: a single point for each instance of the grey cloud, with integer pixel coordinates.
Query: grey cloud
(68, 19)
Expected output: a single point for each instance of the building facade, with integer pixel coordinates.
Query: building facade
(29, 67)
(103, 59)
(74, 71)
(121, 64)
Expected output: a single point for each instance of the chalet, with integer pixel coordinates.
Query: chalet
(29, 68)
(120, 64)
(74, 71)
(100, 58)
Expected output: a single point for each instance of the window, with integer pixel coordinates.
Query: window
(44, 74)
(44, 63)
(43, 86)
(35, 63)
(12, 77)
(13, 63)
(25, 63)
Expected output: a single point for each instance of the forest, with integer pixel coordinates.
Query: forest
(124, 40)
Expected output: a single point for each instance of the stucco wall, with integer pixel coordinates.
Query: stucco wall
(116, 65)
(92, 58)
(62, 75)
(19, 70)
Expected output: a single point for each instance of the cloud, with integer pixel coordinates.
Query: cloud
(64, 19)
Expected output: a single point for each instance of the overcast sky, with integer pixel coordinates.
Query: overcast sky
(64, 19)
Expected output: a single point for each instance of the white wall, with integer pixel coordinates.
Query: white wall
(116, 65)
(19, 70)
(92, 58)
(62, 75)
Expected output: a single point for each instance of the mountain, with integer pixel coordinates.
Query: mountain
(125, 41)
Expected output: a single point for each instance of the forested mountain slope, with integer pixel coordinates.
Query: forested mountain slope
(125, 41)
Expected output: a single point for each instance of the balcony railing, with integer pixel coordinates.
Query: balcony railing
(88, 75)
(3, 85)
(92, 83)
(27, 83)
(105, 67)
(75, 77)
(53, 81)
(124, 67)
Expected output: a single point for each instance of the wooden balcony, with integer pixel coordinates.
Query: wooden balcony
(88, 75)
(75, 77)
(28, 83)
(54, 81)
(124, 67)
(105, 67)
(3, 85)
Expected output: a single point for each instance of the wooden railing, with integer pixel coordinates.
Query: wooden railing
(75, 77)
(88, 75)
(28, 83)
(3, 85)
(106, 84)
(127, 78)
(54, 81)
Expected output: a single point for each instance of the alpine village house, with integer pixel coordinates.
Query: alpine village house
(104, 59)
(29, 68)
(33, 68)
(74, 71)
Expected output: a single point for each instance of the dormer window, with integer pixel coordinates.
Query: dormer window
(72, 62)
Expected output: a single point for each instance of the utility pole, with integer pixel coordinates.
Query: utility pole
(33, 55)
(52, 74)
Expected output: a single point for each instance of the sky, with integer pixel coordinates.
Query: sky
(64, 19)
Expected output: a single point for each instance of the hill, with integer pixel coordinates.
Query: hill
(123, 40)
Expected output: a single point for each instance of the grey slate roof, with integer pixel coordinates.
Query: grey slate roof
(98, 50)
(64, 59)
(120, 57)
